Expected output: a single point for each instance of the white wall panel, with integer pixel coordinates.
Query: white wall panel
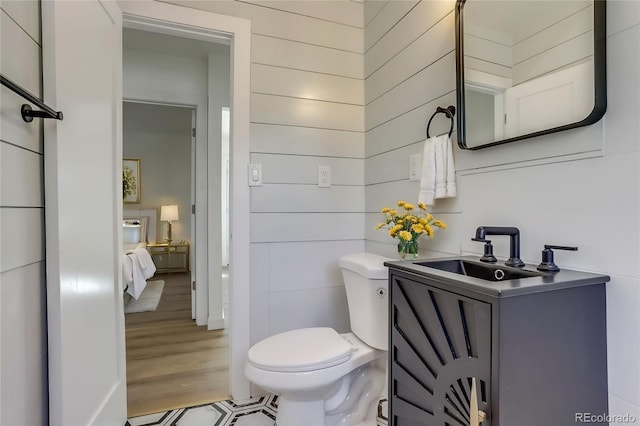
(427, 49)
(26, 14)
(572, 51)
(304, 112)
(15, 43)
(291, 270)
(342, 12)
(623, 337)
(289, 26)
(274, 227)
(14, 129)
(376, 166)
(306, 198)
(556, 147)
(23, 370)
(622, 130)
(419, 20)
(622, 15)
(259, 268)
(304, 169)
(273, 80)
(321, 307)
(413, 92)
(488, 50)
(386, 16)
(20, 177)
(410, 127)
(387, 194)
(306, 141)
(623, 408)
(371, 9)
(259, 317)
(22, 231)
(577, 24)
(23, 322)
(177, 75)
(572, 218)
(296, 55)
(488, 67)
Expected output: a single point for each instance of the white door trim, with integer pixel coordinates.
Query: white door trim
(186, 22)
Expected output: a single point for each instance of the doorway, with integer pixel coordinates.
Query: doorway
(175, 20)
(166, 80)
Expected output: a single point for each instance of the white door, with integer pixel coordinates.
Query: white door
(83, 184)
(566, 96)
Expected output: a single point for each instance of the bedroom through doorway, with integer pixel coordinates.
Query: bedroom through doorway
(176, 356)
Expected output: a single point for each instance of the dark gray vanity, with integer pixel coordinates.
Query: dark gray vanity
(535, 343)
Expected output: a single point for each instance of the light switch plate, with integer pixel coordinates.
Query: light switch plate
(324, 176)
(255, 174)
(415, 167)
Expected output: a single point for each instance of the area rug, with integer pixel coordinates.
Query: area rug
(148, 300)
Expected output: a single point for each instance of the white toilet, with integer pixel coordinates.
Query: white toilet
(324, 378)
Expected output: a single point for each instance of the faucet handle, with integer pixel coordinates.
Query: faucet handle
(488, 256)
(547, 263)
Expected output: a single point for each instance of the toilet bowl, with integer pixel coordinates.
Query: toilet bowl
(324, 378)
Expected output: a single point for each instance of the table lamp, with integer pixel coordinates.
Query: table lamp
(169, 214)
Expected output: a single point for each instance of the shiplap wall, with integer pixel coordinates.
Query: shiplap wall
(23, 342)
(560, 45)
(307, 111)
(409, 71)
(578, 187)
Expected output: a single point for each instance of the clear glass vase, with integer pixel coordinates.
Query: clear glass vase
(408, 250)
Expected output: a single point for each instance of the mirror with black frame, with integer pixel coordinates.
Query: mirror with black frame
(526, 68)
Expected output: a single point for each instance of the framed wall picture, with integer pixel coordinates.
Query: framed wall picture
(131, 181)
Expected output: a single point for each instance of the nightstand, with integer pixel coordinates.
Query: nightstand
(172, 257)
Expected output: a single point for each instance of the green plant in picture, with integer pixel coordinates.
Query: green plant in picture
(128, 182)
(408, 225)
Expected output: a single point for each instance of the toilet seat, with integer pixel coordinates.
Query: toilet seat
(300, 350)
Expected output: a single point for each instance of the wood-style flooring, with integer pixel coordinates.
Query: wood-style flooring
(171, 362)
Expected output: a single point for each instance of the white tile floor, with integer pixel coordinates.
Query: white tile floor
(252, 412)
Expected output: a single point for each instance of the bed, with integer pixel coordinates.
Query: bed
(137, 266)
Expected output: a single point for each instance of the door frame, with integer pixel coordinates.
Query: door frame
(191, 23)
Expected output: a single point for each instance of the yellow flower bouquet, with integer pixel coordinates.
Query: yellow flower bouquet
(408, 225)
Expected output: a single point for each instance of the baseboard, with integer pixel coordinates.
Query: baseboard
(215, 324)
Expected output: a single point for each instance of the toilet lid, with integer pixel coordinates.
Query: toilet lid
(300, 350)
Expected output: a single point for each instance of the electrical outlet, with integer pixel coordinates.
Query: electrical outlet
(415, 167)
(324, 176)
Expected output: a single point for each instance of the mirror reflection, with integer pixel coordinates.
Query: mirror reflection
(526, 68)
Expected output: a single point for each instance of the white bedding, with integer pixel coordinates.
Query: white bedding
(137, 267)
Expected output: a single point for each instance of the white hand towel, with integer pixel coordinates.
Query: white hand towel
(428, 176)
(438, 178)
(441, 166)
(452, 190)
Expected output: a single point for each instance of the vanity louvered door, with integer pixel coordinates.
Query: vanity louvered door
(440, 345)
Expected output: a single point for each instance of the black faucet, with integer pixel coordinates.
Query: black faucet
(512, 232)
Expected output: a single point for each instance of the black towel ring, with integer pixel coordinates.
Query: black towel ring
(449, 111)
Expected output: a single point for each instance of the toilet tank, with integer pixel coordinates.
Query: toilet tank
(366, 284)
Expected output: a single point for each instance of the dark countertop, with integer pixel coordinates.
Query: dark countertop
(550, 281)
